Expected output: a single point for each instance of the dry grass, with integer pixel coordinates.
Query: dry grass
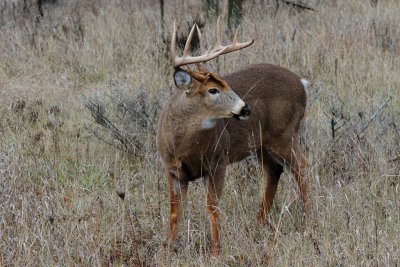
(67, 198)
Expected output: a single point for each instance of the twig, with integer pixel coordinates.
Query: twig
(100, 118)
(315, 96)
(298, 5)
(384, 105)
(395, 128)
(343, 124)
(394, 160)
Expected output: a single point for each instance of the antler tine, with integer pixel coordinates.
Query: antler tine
(201, 40)
(173, 44)
(234, 41)
(218, 44)
(236, 45)
(208, 50)
(188, 41)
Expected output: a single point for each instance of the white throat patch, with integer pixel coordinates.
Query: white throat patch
(208, 123)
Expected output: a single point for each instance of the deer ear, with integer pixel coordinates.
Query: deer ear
(182, 79)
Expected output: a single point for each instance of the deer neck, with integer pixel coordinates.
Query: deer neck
(194, 124)
(192, 132)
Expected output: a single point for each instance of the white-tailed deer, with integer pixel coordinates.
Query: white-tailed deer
(197, 136)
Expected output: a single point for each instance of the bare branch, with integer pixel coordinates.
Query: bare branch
(384, 105)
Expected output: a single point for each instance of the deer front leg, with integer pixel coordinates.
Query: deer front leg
(178, 192)
(214, 191)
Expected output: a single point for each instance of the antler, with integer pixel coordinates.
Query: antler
(219, 49)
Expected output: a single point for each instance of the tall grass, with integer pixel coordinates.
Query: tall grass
(67, 198)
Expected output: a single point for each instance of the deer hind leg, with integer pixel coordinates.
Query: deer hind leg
(178, 191)
(290, 153)
(272, 172)
(298, 168)
(214, 191)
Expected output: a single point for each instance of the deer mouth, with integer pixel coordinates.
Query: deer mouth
(240, 117)
(244, 113)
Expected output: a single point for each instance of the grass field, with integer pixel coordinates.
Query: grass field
(68, 198)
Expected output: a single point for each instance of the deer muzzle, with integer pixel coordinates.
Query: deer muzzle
(244, 113)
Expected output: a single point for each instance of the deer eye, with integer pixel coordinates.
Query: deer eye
(213, 91)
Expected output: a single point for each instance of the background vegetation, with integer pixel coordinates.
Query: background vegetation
(82, 84)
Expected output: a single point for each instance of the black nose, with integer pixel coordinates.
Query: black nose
(244, 113)
(246, 110)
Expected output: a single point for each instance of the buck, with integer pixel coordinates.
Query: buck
(206, 125)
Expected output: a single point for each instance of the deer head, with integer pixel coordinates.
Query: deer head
(203, 88)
